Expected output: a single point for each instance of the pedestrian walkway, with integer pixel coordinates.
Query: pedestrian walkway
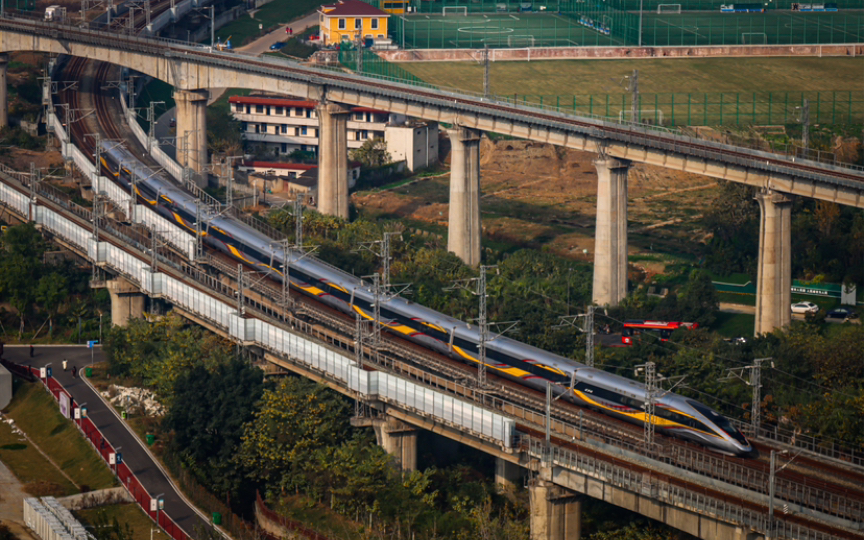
(117, 435)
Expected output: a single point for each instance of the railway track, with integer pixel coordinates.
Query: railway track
(599, 130)
(225, 293)
(417, 362)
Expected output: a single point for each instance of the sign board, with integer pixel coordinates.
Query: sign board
(153, 504)
(43, 373)
(119, 458)
(64, 404)
(83, 412)
(77, 413)
(161, 504)
(112, 459)
(91, 344)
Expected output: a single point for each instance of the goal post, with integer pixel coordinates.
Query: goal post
(520, 41)
(669, 8)
(455, 10)
(754, 38)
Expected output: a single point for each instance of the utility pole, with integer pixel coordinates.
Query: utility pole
(383, 254)
(154, 251)
(756, 383)
(241, 307)
(212, 26)
(650, 390)
(359, 54)
(199, 241)
(640, 23)
(151, 118)
(477, 287)
(589, 337)
(486, 82)
(634, 89)
(376, 290)
(548, 418)
(588, 329)
(298, 221)
(805, 123)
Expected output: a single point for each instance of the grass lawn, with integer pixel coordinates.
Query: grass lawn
(734, 324)
(37, 414)
(595, 77)
(37, 474)
(273, 14)
(126, 514)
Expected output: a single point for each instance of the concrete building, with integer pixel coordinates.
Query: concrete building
(348, 20)
(415, 143)
(284, 125)
(286, 180)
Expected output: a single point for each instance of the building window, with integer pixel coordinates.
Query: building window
(279, 111)
(285, 128)
(358, 23)
(298, 111)
(364, 134)
(244, 126)
(308, 113)
(259, 109)
(341, 24)
(358, 116)
(248, 109)
(238, 107)
(303, 130)
(284, 148)
(316, 132)
(374, 24)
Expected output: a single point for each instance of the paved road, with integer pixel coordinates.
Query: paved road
(262, 44)
(114, 429)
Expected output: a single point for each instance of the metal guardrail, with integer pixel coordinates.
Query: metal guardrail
(725, 470)
(649, 136)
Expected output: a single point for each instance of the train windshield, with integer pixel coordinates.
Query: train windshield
(720, 421)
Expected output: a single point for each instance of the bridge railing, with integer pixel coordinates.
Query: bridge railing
(709, 465)
(600, 126)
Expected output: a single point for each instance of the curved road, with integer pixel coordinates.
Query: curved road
(116, 432)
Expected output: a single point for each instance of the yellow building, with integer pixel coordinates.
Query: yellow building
(348, 20)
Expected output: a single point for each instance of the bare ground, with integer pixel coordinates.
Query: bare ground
(537, 194)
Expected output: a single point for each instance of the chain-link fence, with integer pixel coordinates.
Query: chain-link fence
(458, 24)
(712, 109)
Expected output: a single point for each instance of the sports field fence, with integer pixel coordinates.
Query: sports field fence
(710, 109)
(666, 109)
(567, 23)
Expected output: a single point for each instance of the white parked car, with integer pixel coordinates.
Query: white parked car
(805, 307)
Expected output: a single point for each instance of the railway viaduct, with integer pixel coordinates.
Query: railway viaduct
(193, 69)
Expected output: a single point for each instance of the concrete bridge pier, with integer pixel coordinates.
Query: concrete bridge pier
(464, 229)
(127, 301)
(507, 475)
(610, 237)
(556, 513)
(333, 159)
(774, 281)
(397, 439)
(192, 118)
(4, 105)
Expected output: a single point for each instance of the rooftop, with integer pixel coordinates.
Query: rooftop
(352, 8)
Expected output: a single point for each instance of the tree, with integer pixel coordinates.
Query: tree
(373, 153)
(50, 293)
(20, 266)
(294, 420)
(207, 415)
(698, 301)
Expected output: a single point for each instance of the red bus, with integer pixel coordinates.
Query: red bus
(663, 329)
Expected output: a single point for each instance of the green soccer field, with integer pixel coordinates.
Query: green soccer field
(601, 25)
(770, 28)
(497, 30)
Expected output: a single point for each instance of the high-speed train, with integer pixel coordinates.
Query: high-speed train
(594, 388)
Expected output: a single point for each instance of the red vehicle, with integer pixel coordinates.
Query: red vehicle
(662, 329)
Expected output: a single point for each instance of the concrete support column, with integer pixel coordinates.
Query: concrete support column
(333, 159)
(507, 475)
(774, 281)
(4, 105)
(192, 118)
(127, 301)
(399, 440)
(610, 237)
(556, 514)
(464, 230)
